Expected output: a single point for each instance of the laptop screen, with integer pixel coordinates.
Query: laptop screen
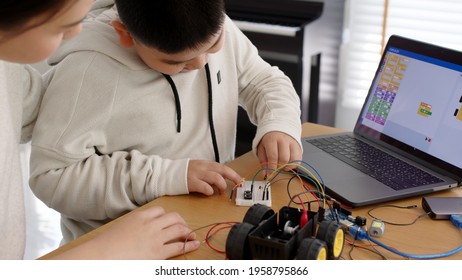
(415, 102)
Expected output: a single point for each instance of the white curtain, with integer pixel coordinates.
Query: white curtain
(367, 26)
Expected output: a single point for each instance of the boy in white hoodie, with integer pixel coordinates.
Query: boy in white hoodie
(143, 103)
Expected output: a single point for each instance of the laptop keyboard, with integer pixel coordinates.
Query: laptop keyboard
(384, 167)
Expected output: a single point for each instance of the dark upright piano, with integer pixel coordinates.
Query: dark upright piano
(302, 38)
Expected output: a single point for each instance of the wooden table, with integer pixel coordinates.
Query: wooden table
(425, 236)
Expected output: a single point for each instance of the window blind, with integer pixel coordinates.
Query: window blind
(367, 26)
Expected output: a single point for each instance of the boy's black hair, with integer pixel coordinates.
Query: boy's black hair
(172, 26)
(15, 14)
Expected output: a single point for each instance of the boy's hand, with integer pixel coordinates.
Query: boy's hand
(204, 176)
(278, 148)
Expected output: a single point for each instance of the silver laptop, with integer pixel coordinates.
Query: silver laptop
(407, 140)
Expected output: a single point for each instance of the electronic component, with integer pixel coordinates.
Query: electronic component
(253, 192)
(347, 221)
(304, 218)
(360, 221)
(440, 208)
(456, 220)
(340, 214)
(377, 228)
(266, 235)
(346, 224)
(357, 232)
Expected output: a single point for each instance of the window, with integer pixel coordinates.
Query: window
(367, 26)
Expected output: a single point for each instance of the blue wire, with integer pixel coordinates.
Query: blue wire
(414, 256)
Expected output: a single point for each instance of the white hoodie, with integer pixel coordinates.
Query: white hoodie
(107, 140)
(20, 93)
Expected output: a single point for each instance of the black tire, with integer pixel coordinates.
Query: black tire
(312, 249)
(237, 242)
(334, 235)
(257, 213)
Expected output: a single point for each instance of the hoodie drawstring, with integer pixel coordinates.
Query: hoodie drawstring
(210, 109)
(212, 127)
(177, 102)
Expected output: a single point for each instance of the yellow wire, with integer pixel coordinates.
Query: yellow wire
(298, 165)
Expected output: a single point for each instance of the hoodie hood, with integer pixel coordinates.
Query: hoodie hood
(98, 28)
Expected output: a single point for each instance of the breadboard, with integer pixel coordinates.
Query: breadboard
(246, 195)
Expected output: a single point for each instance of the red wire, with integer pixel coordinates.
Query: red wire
(209, 235)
